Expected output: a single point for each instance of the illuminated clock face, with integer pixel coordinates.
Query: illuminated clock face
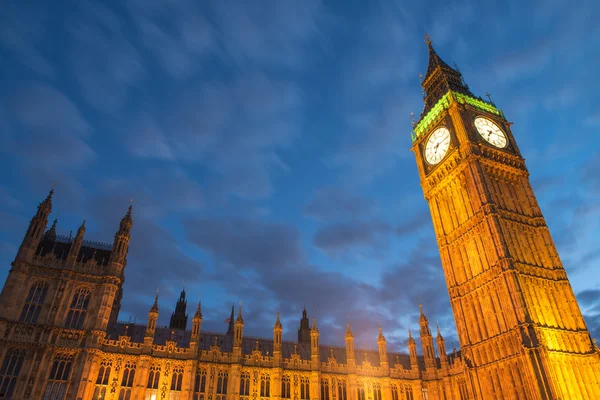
(491, 132)
(437, 145)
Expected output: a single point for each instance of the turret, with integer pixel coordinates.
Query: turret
(382, 347)
(76, 246)
(441, 345)
(304, 330)
(121, 242)
(314, 345)
(36, 229)
(238, 334)
(426, 341)
(197, 323)
(277, 334)
(350, 357)
(179, 317)
(152, 318)
(412, 352)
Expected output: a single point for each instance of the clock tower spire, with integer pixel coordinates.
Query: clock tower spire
(520, 328)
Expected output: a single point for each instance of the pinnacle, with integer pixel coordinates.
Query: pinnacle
(239, 316)
(278, 321)
(47, 203)
(155, 305)
(198, 310)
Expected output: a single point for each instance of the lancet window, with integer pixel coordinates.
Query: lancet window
(33, 302)
(265, 386)
(394, 392)
(56, 385)
(222, 385)
(102, 380)
(304, 388)
(285, 387)
(324, 389)
(245, 384)
(176, 381)
(342, 395)
(78, 309)
(376, 391)
(360, 392)
(127, 381)
(200, 385)
(153, 377)
(9, 372)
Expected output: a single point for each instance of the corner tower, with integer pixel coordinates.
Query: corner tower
(518, 321)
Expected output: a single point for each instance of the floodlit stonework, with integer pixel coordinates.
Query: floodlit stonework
(521, 331)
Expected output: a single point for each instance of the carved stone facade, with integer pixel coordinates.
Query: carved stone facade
(521, 331)
(520, 327)
(59, 339)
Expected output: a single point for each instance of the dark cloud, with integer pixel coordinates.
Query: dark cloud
(341, 236)
(22, 32)
(270, 32)
(334, 201)
(106, 65)
(46, 130)
(233, 129)
(176, 33)
(246, 243)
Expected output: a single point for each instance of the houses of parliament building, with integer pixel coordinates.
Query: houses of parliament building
(521, 331)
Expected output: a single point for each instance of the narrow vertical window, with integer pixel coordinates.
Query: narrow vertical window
(127, 381)
(376, 391)
(176, 381)
(33, 302)
(153, 377)
(200, 385)
(222, 385)
(324, 389)
(58, 378)
(394, 392)
(304, 388)
(285, 387)
(9, 372)
(342, 390)
(78, 309)
(245, 384)
(265, 386)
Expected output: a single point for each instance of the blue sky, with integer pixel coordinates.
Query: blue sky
(266, 146)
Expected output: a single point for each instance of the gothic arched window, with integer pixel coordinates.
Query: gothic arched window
(9, 372)
(222, 385)
(285, 387)
(127, 381)
(104, 372)
(78, 309)
(304, 388)
(324, 389)
(360, 392)
(176, 380)
(265, 386)
(342, 395)
(153, 377)
(33, 302)
(376, 391)
(200, 385)
(245, 384)
(58, 377)
(394, 392)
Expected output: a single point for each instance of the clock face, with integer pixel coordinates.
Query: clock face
(491, 132)
(437, 145)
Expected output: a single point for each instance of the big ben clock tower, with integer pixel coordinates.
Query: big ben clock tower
(518, 321)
